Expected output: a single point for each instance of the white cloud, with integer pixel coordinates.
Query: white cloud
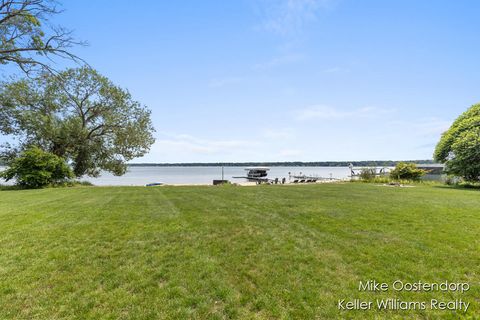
(289, 17)
(330, 113)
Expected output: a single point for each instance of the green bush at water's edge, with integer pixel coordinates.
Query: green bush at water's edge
(407, 171)
(36, 168)
(402, 173)
(367, 174)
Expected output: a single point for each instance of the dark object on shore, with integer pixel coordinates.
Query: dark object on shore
(395, 184)
(217, 182)
(154, 184)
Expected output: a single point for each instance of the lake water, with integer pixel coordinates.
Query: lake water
(139, 176)
(205, 175)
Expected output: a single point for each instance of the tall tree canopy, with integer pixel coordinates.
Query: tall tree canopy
(459, 146)
(78, 115)
(27, 38)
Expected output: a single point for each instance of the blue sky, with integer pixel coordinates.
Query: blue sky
(308, 80)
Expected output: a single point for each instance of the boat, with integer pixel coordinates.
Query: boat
(154, 184)
(258, 174)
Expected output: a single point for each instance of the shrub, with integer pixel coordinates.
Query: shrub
(73, 183)
(407, 171)
(35, 168)
(367, 174)
(452, 180)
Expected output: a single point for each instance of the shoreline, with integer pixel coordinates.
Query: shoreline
(239, 184)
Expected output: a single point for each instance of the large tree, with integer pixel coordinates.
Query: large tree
(27, 39)
(459, 146)
(78, 115)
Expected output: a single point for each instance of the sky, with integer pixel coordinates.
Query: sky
(287, 80)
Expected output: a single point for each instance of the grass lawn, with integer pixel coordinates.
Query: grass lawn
(265, 252)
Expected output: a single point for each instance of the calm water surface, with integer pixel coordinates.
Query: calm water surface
(139, 176)
(205, 175)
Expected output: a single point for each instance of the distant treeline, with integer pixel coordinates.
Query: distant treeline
(379, 163)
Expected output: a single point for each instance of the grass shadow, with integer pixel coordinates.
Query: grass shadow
(460, 188)
(67, 184)
(10, 188)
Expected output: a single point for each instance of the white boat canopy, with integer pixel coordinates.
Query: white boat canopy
(257, 168)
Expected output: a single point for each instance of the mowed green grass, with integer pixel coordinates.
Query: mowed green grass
(265, 252)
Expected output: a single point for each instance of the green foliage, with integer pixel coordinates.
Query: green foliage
(389, 180)
(459, 146)
(73, 183)
(407, 171)
(367, 174)
(59, 184)
(78, 115)
(456, 181)
(35, 168)
(452, 180)
(28, 39)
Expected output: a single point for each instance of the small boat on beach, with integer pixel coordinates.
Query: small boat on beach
(154, 184)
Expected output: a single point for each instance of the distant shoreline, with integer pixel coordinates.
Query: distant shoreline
(373, 163)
